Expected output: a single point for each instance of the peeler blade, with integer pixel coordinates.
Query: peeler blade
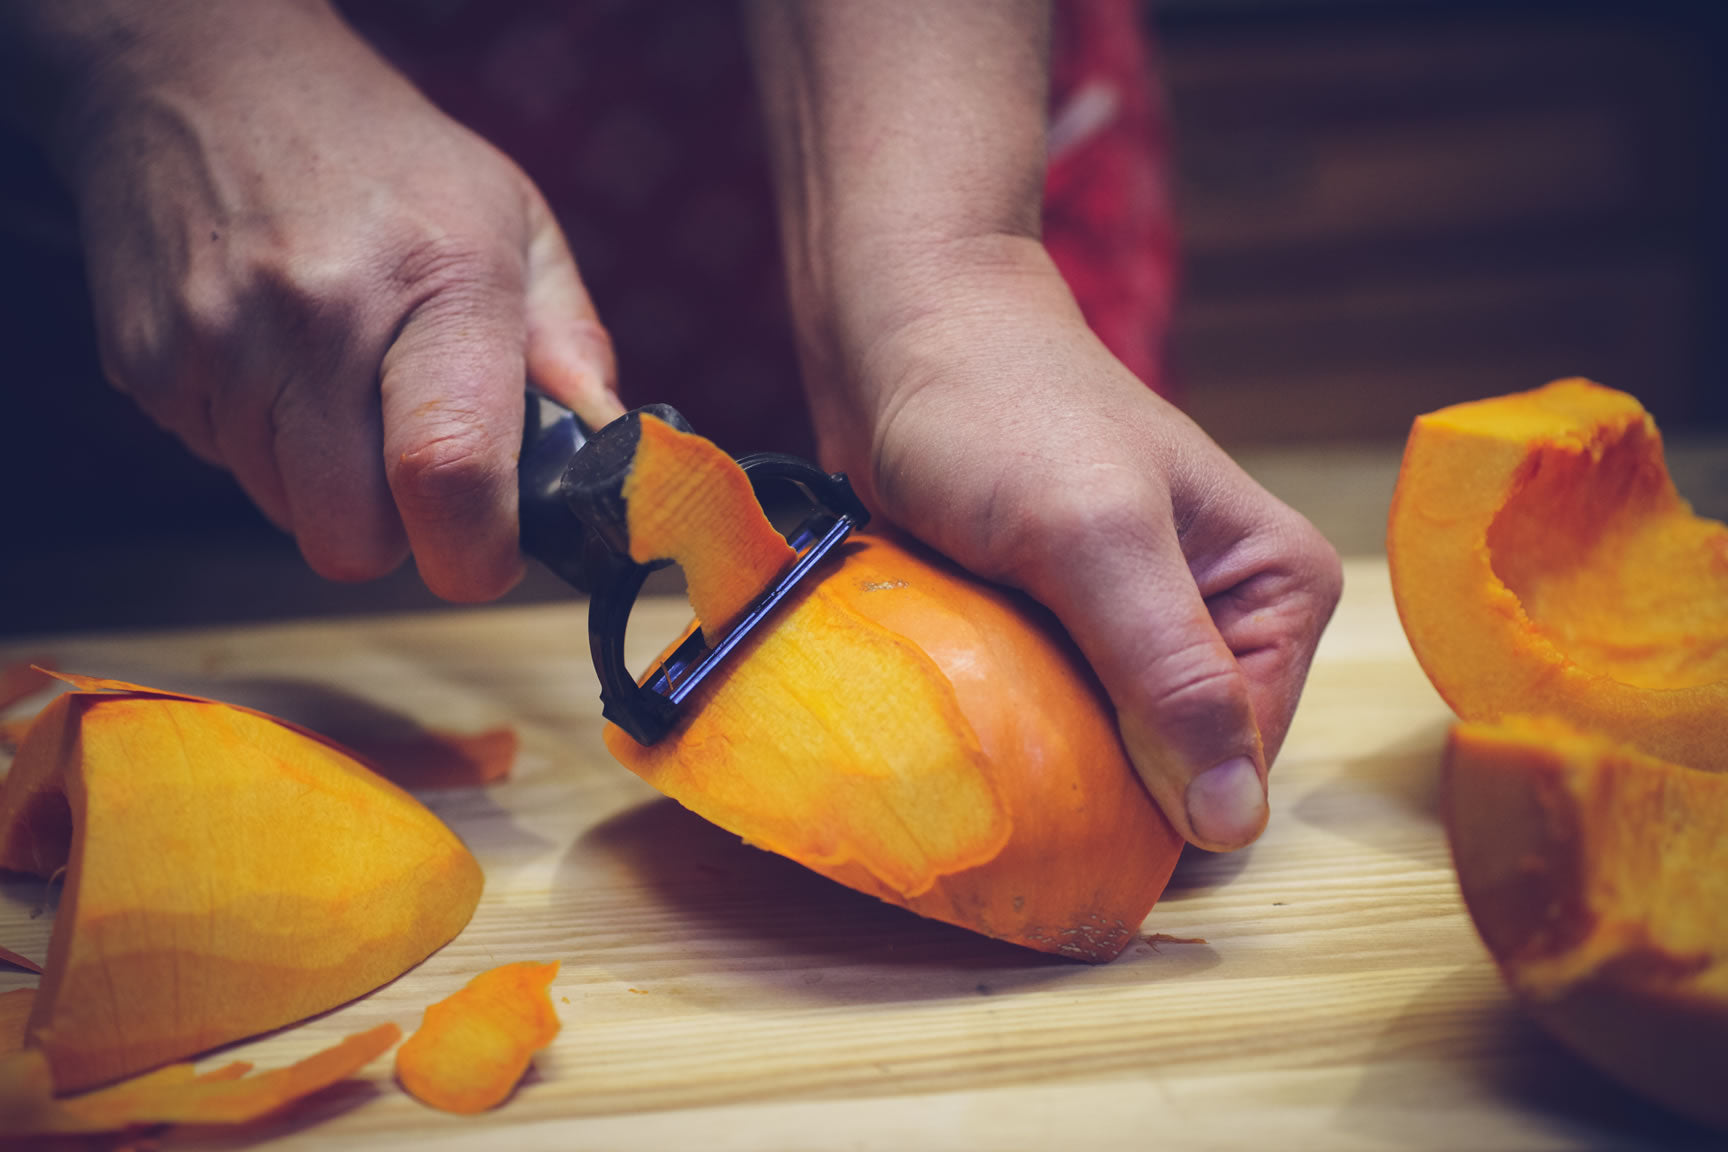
(573, 518)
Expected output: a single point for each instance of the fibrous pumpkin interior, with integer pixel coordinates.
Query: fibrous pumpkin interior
(1611, 565)
(1543, 562)
(904, 729)
(1598, 878)
(225, 874)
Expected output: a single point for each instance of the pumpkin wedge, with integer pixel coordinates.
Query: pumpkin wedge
(1542, 562)
(224, 874)
(899, 727)
(1598, 877)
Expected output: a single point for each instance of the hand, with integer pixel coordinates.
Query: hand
(321, 283)
(992, 424)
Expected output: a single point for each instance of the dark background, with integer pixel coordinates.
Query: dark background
(1386, 207)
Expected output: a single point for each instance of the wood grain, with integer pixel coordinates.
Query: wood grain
(715, 996)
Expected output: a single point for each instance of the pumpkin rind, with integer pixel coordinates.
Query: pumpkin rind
(1542, 562)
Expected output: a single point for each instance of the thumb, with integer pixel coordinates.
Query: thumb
(569, 355)
(1183, 704)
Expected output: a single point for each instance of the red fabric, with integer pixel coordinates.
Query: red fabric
(638, 122)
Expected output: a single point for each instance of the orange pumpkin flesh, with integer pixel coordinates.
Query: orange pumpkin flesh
(1598, 878)
(473, 1047)
(908, 731)
(225, 874)
(1569, 605)
(1542, 562)
(174, 1094)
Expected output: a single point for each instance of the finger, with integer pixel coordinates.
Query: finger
(452, 410)
(327, 441)
(1271, 596)
(1119, 582)
(246, 441)
(569, 354)
(243, 431)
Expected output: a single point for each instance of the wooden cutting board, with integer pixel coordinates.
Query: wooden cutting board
(1323, 989)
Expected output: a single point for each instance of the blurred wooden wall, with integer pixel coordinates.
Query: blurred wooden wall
(1388, 207)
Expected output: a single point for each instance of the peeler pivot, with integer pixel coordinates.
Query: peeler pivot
(573, 518)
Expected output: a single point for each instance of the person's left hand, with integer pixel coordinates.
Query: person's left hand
(991, 423)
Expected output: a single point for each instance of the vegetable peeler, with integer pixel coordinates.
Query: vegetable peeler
(573, 520)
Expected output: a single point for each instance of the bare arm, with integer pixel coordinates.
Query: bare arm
(952, 375)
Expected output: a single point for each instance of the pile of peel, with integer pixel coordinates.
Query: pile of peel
(223, 874)
(1571, 608)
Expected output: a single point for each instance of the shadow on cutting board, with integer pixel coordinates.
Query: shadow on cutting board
(805, 934)
(1494, 1062)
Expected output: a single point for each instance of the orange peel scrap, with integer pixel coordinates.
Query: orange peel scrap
(473, 1047)
(175, 1094)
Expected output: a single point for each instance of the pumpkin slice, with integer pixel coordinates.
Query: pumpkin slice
(1542, 562)
(175, 1094)
(225, 874)
(906, 730)
(473, 1047)
(1598, 878)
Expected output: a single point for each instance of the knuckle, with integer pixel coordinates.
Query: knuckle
(1196, 684)
(1308, 567)
(211, 310)
(441, 265)
(448, 466)
(310, 291)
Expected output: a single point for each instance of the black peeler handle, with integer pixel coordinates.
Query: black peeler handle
(570, 483)
(573, 520)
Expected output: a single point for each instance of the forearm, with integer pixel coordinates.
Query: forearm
(65, 65)
(906, 137)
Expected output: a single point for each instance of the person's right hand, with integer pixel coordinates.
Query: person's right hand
(321, 283)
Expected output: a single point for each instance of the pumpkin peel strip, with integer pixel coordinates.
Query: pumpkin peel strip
(473, 1047)
(174, 1094)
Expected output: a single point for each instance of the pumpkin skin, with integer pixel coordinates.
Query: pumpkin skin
(1542, 562)
(1598, 878)
(917, 734)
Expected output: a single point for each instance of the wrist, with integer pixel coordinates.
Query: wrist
(883, 317)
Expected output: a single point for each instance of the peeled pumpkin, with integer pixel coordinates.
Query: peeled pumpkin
(1597, 876)
(1542, 562)
(898, 726)
(225, 874)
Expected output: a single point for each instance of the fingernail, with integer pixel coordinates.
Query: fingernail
(1227, 803)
